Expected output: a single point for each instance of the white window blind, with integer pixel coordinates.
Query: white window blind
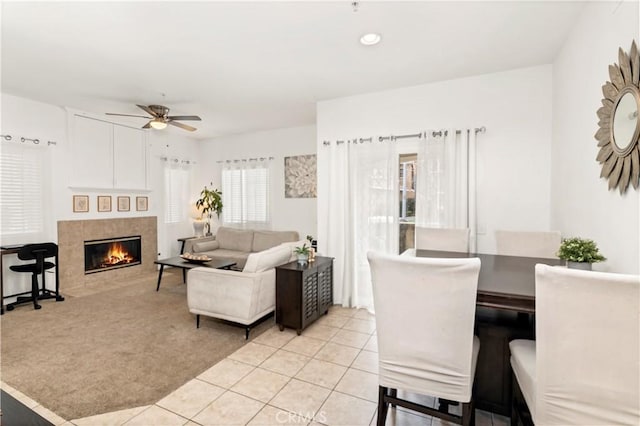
(22, 196)
(245, 193)
(176, 186)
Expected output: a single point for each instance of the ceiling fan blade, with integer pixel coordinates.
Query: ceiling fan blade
(182, 126)
(147, 126)
(126, 115)
(184, 117)
(147, 110)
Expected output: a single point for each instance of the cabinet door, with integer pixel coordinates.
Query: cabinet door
(92, 153)
(309, 297)
(325, 288)
(130, 159)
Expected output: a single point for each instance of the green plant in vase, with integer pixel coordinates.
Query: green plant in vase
(210, 201)
(579, 253)
(302, 253)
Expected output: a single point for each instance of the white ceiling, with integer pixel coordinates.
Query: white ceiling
(247, 66)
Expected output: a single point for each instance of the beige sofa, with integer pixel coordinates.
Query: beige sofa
(243, 297)
(238, 244)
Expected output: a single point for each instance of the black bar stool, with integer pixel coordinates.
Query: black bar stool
(38, 252)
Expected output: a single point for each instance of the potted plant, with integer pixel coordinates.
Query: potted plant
(210, 201)
(303, 253)
(580, 253)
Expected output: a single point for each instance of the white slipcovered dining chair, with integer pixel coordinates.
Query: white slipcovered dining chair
(528, 243)
(445, 239)
(584, 367)
(425, 312)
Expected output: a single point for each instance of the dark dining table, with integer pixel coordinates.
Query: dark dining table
(505, 304)
(505, 282)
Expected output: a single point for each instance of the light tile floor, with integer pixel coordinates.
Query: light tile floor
(326, 376)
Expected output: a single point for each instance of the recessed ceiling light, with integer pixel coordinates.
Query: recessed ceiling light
(370, 39)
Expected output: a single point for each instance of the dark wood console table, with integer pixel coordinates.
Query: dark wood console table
(506, 298)
(303, 292)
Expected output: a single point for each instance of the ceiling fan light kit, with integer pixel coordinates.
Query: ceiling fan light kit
(158, 124)
(160, 118)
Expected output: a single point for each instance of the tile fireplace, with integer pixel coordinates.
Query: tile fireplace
(74, 234)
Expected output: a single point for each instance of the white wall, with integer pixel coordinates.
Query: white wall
(298, 214)
(581, 203)
(513, 156)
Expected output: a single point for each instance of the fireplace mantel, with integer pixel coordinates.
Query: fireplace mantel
(73, 233)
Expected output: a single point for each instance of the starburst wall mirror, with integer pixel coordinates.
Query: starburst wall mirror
(619, 123)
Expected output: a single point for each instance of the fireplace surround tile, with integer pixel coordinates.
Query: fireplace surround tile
(73, 233)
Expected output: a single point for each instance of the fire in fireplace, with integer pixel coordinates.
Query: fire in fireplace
(103, 255)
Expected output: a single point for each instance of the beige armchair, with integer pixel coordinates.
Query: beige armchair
(242, 297)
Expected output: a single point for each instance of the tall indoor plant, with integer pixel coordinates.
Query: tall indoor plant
(210, 201)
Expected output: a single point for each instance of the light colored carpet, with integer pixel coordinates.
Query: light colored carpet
(116, 349)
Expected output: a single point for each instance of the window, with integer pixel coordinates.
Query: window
(245, 193)
(407, 168)
(21, 200)
(176, 187)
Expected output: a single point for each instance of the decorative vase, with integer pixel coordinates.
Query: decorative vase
(303, 259)
(585, 266)
(198, 228)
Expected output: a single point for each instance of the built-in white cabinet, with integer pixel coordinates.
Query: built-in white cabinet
(107, 155)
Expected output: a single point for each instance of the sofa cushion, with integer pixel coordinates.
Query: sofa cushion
(267, 259)
(263, 240)
(235, 239)
(205, 246)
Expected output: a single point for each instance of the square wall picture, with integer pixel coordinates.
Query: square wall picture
(123, 204)
(300, 176)
(104, 203)
(80, 203)
(142, 204)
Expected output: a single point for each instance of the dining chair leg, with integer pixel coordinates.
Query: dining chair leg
(197, 320)
(382, 405)
(468, 414)
(393, 393)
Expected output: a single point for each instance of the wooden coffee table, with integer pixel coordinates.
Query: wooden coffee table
(178, 262)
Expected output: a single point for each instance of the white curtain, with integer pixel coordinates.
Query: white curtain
(446, 181)
(363, 210)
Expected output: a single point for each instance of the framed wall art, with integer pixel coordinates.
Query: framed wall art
(104, 203)
(142, 204)
(80, 203)
(300, 176)
(124, 204)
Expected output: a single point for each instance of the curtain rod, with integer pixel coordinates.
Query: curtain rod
(177, 160)
(35, 141)
(245, 160)
(420, 135)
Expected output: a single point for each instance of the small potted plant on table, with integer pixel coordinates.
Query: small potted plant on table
(302, 253)
(580, 253)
